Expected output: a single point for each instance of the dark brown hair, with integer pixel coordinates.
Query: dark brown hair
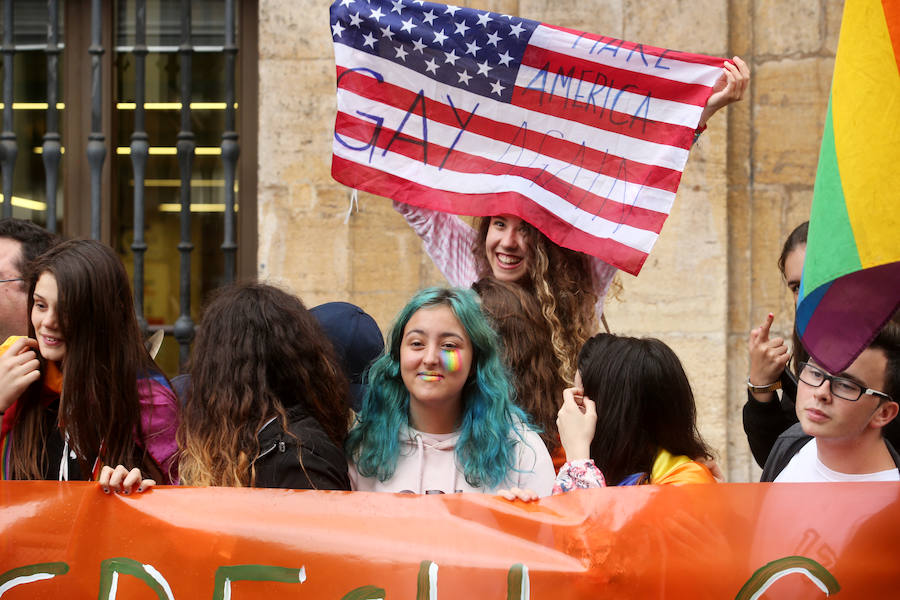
(794, 240)
(34, 241)
(258, 354)
(100, 404)
(888, 341)
(527, 351)
(562, 282)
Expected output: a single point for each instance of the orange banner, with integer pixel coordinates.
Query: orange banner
(70, 540)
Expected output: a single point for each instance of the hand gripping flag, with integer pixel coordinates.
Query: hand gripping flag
(478, 113)
(851, 275)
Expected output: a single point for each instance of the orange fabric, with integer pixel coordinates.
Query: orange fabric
(693, 541)
(892, 18)
(53, 378)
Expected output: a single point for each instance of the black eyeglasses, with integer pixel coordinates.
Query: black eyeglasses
(13, 279)
(840, 386)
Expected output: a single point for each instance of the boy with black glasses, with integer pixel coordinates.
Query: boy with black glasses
(839, 436)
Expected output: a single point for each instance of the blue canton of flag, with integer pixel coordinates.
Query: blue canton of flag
(461, 47)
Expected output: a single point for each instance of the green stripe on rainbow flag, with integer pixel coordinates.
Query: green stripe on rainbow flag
(832, 240)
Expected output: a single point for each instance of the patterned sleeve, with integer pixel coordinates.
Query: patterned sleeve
(159, 421)
(447, 240)
(578, 474)
(603, 275)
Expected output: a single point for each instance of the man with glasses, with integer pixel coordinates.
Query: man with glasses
(20, 243)
(839, 436)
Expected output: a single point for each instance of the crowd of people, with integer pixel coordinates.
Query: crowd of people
(499, 384)
(467, 395)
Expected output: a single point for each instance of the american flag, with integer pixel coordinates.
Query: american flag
(479, 113)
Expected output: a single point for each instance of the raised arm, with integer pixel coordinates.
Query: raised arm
(729, 88)
(577, 421)
(447, 240)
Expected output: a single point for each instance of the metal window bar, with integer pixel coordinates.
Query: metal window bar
(230, 147)
(184, 326)
(8, 146)
(96, 147)
(140, 150)
(52, 151)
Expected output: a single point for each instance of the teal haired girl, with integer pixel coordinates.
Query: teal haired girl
(438, 415)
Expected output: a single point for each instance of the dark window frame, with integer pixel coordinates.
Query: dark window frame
(76, 125)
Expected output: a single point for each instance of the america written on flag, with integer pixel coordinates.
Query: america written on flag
(477, 113)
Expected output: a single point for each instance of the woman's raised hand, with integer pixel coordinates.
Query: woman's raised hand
(730, 87)
(123, 481)
(576, 421)
(19, 368)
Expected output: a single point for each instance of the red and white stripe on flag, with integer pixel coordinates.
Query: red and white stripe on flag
(477, 113)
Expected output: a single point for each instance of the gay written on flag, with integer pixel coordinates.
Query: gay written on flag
(478, 113)
(851, 275)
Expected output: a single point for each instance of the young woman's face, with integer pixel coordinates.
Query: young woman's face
(793, 269)
(45, 318)
(508, 248)
(435, 360)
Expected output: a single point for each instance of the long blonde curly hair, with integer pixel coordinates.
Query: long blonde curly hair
(563, 283)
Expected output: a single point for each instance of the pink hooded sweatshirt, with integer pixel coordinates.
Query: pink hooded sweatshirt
(427, 465)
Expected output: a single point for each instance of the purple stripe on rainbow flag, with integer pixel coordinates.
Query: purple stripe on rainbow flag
(833, 330)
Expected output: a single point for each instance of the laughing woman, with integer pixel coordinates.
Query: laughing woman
(438, 416)
(569, 286)
(81, 391)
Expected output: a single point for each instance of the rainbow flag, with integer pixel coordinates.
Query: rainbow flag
(851, 277)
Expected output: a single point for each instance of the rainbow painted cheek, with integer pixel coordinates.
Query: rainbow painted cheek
(451, 360)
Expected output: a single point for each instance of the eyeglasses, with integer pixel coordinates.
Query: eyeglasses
(840, 386)
(13, 279)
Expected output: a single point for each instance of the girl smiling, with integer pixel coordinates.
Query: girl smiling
(438, 415)
(81, 391)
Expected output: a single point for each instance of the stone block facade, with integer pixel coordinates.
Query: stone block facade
(712, 275)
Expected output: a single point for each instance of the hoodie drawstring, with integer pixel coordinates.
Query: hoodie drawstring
(453, 476)
(420, 450)
(64, 461)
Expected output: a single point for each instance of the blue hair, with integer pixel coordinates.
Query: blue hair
(485, 450)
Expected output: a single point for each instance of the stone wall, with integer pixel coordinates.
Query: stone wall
(712, 274)
(773, 149)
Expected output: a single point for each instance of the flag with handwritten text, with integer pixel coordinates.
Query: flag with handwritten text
(478, 113)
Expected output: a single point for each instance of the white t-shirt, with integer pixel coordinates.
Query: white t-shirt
(805, 467)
